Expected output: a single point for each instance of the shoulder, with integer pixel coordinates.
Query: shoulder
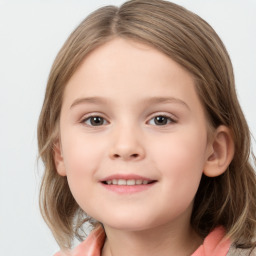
(233, 251)
(62, 254)
(90, 247)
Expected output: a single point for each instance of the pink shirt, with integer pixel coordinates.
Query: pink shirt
(215, 244)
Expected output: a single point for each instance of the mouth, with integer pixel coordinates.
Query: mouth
(128, 182)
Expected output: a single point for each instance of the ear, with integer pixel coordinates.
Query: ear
(221, 152)
(58, 159)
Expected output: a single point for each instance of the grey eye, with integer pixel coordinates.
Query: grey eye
(160, 120)
(95, 121)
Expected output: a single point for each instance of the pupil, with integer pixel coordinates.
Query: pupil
(161, 120)
(96, 121)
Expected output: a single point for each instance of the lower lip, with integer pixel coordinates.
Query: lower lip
(127, 189)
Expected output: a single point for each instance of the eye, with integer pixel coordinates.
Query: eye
(94, 121)
(161, 120)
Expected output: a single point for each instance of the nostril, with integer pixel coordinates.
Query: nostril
(126, 156)
(133, 155)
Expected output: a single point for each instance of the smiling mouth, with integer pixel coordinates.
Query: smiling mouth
(129, 182)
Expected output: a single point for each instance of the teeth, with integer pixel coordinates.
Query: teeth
(130, 182)
(123, 182)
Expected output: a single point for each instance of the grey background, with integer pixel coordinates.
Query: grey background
(31, 33)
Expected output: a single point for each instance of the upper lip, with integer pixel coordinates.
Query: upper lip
(126, 177)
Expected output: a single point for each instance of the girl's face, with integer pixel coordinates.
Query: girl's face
(131, 116)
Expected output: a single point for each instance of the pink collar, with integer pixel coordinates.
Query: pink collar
(215, 244)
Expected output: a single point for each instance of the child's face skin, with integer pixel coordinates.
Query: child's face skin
(133, 83)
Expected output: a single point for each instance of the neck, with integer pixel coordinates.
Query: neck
(163, 240)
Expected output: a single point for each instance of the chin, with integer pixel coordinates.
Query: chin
(129, 223)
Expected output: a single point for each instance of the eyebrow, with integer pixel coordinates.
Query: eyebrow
(90, 100)
(149, 101)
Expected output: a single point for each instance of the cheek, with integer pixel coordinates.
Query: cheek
(81, 162)
(81, 154)
(181, 160)
(181, 150)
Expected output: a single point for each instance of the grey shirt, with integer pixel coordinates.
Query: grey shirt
(233, 251)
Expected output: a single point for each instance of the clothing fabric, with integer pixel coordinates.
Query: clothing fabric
(90, 247)
(233, 251)
(215, 244)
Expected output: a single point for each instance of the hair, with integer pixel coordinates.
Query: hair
(229, 199)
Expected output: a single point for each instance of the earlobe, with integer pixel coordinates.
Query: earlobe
(222, 152)
(58, 159)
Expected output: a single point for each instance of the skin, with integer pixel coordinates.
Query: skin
(128, 75)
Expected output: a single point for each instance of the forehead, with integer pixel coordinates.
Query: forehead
(125, 66)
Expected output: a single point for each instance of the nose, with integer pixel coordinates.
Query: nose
(127, 145)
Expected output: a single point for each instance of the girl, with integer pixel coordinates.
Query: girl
(142, 136)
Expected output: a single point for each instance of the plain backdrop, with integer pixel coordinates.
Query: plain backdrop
(31, 33)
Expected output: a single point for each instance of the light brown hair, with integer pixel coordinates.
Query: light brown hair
(229, 199)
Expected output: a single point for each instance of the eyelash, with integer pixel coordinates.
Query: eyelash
(169, 120)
